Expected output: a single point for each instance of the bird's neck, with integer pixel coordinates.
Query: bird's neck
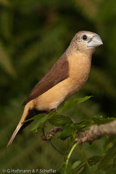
(72, 50)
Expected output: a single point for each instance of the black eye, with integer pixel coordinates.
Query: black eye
(84, 37)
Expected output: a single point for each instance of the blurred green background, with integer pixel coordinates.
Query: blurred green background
(33, 35)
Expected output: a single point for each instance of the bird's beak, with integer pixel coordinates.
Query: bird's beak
(95, 41)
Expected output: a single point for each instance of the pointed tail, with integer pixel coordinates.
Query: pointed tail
(20, 125)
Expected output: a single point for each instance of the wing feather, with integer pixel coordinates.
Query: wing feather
(56, 74)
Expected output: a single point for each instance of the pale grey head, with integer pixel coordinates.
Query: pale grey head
(85, 42)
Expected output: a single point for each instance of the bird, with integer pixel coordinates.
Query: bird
(66, 77)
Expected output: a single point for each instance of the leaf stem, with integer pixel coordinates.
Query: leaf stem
(85, 158)
(68, 157)
(43, 130)
(56, 149)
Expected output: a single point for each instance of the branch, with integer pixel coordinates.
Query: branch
(50, 134)
(93, 133)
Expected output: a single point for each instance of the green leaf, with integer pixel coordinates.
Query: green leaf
(94, 160)
(72, 128)
(94, 121)
(65, 169)
(101, 120)
(76, 164)
(108, 159)
(72, 103)
(59, 120)
(82, 124)
(78, 167)
(52, 114)
(41, 120)
(39, 116)
(68, 130)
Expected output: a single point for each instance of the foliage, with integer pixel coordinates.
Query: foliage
(70, 128)
(33, 34)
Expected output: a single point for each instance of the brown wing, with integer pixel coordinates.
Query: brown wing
(56, 74)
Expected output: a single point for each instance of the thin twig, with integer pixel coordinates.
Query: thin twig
(57, 149)
(85, 158)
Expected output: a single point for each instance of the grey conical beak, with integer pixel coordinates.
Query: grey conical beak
(95, 41)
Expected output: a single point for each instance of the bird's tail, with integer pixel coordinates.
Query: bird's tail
(25, 115)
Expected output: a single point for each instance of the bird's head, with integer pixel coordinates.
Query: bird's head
(85, 42)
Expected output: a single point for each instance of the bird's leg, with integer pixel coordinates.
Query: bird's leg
(54, 109)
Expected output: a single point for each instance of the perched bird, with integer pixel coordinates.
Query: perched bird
(66, 77)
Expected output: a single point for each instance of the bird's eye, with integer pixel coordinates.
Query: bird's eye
(84, 37)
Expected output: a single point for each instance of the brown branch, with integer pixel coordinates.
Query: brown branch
(50, 134)
(93, 133)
